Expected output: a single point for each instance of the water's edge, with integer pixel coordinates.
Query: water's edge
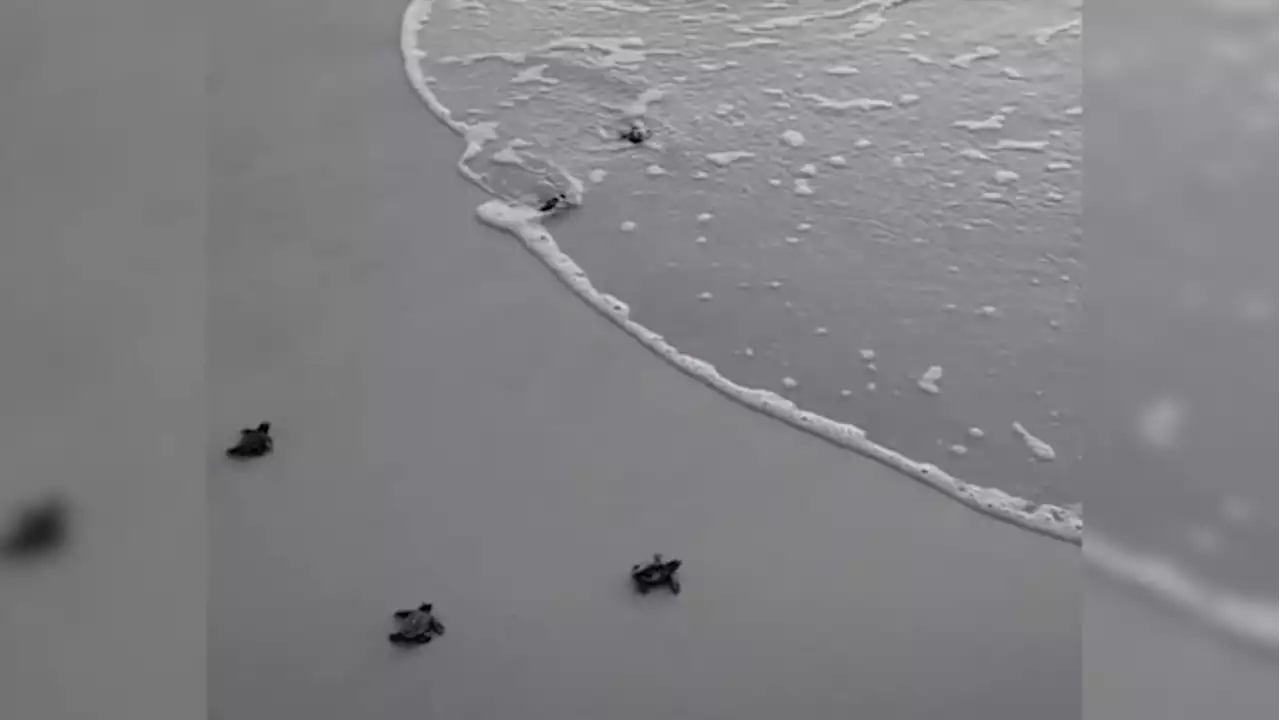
(525, 223)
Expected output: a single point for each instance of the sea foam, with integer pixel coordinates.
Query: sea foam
(525, 223)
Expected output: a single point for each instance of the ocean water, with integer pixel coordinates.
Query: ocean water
(862, 218)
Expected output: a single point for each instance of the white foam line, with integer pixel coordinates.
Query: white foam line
(525, 223)
(796, 21)
(1251, 620)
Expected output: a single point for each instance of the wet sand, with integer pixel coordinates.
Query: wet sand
(454, 426)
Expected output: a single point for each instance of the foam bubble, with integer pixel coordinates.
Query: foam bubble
(793, 138)
(533, 74)
(982, 52)
(825, 103)
(627, 226)
(1034, 146)
(928, 382)
(802, 187)
(1044, 35)
(993, 122)
(1040, 449)
(1160, 423)
(724, 159)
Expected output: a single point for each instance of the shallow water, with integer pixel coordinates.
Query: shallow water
(823, 178)
(839, 198)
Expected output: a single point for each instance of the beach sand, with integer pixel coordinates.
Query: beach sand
(454, 426)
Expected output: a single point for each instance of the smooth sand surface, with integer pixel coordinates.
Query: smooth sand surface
(102, 357)
(455, 426)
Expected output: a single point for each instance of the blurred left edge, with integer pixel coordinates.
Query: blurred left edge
(102, 297)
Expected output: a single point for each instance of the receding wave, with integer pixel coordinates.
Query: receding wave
(518, 185)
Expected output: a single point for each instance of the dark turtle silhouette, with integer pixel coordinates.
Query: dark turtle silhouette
(38, 529)
(417, 627)
(636, 133)
(254, 442)
(656, 574)
(556, 202)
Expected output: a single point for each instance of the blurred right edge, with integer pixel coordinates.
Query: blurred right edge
(1177, 359)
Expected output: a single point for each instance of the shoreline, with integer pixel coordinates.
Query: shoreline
(1050, 520)
(453, 427)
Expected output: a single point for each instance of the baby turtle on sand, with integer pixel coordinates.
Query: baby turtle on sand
(656, 574)
(636, 133)
(38, 529)
(254, 442)
(417, 627)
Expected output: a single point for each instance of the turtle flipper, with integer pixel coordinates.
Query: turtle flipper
(401, 614)
(674, 584)
(402, 639)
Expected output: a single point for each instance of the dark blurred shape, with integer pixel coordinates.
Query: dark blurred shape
(254, 443)
(553, 203)
(417, 627)
(37, 531)
(657, 574)
(636, 133)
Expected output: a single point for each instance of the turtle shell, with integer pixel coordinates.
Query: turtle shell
(418, 623)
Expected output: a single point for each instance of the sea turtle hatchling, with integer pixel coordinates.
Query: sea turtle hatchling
(659, 573)
(636, 133)
(551, 204)
(417, 627)
(254, 443)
